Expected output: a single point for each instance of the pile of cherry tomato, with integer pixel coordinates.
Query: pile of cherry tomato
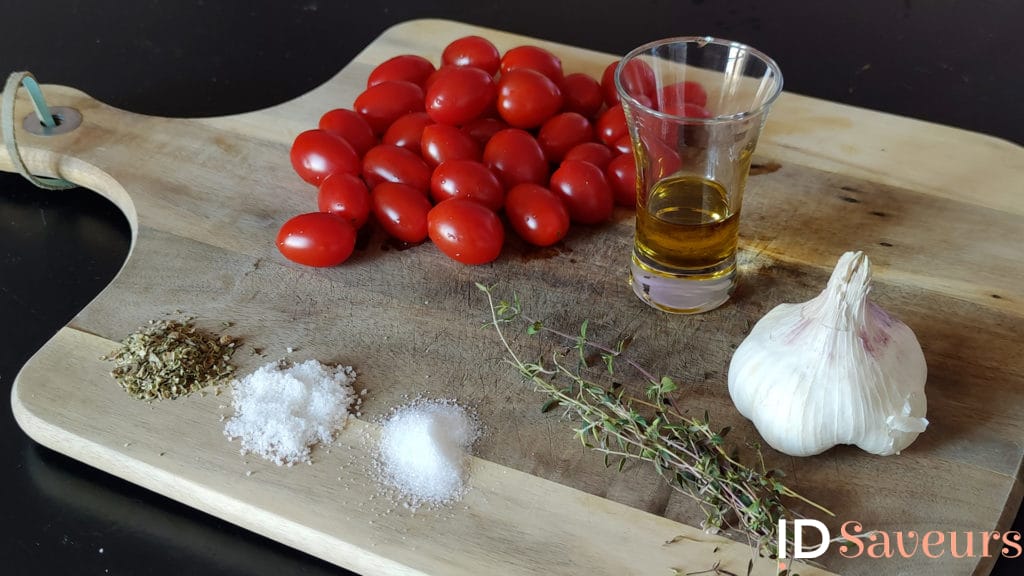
(438, 153)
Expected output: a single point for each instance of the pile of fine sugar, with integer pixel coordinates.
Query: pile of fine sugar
(281, 411)
(423, 449)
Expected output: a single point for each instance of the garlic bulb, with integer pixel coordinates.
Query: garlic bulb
(836, 369)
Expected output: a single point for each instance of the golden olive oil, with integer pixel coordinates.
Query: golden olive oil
(686, 223)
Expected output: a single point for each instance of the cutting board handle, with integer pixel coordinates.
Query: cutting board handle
(42, 122)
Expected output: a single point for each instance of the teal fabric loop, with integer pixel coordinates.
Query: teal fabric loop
(14, 81)
(38, 102)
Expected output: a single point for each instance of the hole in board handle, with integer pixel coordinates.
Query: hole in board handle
(65, 118)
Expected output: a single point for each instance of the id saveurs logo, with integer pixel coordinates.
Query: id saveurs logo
(855, 542)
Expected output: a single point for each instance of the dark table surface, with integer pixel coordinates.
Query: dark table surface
(956, 63)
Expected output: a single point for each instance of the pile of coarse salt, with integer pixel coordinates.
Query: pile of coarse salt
(423, 451)
(282, 410)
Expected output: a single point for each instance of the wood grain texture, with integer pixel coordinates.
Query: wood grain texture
(938, 210)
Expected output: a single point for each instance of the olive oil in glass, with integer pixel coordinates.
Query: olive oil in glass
(685, 224)
(692, 168)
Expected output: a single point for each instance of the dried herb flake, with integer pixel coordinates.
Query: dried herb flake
(168, 359)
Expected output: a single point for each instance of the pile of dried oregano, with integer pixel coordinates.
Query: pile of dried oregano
(170, 358)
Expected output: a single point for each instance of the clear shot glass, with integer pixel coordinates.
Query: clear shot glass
(694, 107)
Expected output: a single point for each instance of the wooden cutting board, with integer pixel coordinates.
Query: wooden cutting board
(938, 210)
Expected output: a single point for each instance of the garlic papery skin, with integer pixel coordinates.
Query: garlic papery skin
(836, 369)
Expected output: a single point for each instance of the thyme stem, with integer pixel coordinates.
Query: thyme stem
(686, 452)
(616, 353)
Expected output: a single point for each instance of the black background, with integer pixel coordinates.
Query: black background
(955, 63)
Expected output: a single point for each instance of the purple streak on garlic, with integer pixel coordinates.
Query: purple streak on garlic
(837, 369)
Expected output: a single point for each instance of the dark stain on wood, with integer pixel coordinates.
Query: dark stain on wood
(886, 244)
(849, 199)
(997, 296)
(879, 214)
(848, 189)
(225, 145)
(764, 168)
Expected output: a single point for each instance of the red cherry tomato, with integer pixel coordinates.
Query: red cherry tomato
(637, 78)
(482, 129)
(347, 196)
(317, 154)
(662, 158)
(534, 58)
(407, 67)
(608, 89)
(623, 145)
(582, 94)
(466, 179)
(401, 211)
(466, 231)
(560, 133)
(672, 97)
(536, 214)
(317, 239)
(387, 163)
(433, 77)
(350, 126)
(645, 100)
(696, 93)
(612, 125)
(621, 176)
(527, 98)
(585, 191)
(382, 104)
(515, 157)
(472, 51)
(407, 131)
(441, 142)
(458, 94)
(594, 152)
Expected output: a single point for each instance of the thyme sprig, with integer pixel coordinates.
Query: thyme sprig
(688, 453)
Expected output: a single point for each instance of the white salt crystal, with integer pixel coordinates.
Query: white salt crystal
(280, 412)
(423, 450)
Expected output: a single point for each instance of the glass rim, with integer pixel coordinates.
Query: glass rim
(702, 41)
